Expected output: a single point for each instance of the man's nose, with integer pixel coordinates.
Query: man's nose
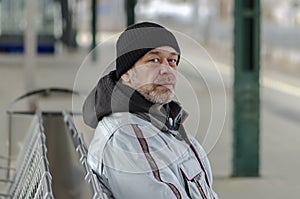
(165, 67)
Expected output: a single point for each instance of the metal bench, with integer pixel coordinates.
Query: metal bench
(31, 178)
(99, 185)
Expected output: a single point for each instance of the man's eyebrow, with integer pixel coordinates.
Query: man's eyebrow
(158, 52)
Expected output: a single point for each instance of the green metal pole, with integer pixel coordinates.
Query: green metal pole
(94, 30)
(130, 4)
(246, 88)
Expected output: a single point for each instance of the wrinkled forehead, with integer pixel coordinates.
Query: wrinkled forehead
(164, 51)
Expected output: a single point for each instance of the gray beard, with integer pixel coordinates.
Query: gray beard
(156, 98)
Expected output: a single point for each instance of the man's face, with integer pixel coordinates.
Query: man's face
(154, 75)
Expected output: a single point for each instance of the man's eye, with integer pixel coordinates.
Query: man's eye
(155, 60)
(173, 61)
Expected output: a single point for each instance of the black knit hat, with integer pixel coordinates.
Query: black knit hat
(137, 40)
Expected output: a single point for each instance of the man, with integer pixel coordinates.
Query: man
(140, 145)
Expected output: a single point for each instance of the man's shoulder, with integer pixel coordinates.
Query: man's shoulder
(113, 132)
(118, 121)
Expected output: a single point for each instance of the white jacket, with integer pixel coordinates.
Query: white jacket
(140, 161)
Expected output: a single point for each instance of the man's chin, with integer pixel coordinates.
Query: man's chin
(160, 97)
(158, 94)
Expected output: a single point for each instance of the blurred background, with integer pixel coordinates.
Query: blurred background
(47, 44)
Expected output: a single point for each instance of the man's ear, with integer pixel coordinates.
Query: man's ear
(125, 78)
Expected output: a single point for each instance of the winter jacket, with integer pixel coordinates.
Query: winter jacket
(141, 151)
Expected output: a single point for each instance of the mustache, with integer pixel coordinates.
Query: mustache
(165, 79)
